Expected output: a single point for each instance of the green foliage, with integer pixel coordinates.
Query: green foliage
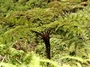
(21, 5)
(30, 60)
(69, 33)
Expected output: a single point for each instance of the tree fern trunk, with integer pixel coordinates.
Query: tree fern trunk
(46, 40)
(47, 44)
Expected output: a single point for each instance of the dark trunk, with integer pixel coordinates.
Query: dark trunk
(47, 1)
(46, 40)
(84, 0)
(47, 44)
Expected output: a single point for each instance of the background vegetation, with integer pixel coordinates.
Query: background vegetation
(68, 22)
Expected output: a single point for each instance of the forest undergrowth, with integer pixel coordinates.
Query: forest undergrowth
(68, 24)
